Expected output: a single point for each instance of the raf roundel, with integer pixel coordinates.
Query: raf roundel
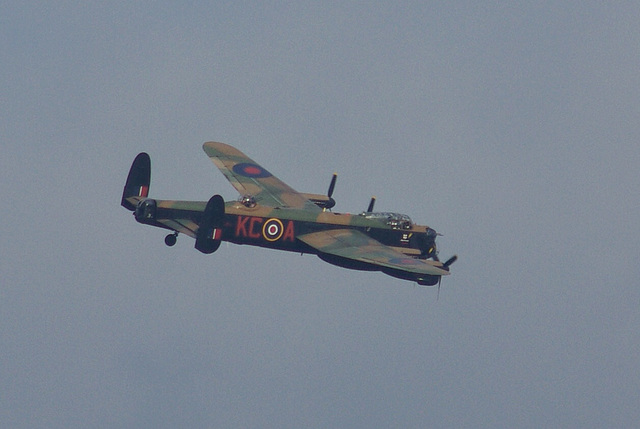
(250, 170)
(272, 229)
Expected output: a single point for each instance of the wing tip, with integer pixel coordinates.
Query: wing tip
(216, 149)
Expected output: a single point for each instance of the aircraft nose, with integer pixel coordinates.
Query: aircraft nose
(428, 244)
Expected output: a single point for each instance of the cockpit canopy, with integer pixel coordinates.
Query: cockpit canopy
(394, 220)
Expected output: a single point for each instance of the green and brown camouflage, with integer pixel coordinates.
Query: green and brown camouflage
(271, 214)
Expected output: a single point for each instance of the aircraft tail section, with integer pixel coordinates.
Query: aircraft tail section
(209, 234)
(138, 181)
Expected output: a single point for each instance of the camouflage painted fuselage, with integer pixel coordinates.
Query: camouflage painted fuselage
(271, 214)
(278, 228)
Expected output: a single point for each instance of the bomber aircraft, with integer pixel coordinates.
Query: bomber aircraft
(271, 214)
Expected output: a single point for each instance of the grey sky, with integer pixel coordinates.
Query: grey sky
(510, 128)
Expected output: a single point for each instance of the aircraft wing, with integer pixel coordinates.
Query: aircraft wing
(357, 246)
(249, 178)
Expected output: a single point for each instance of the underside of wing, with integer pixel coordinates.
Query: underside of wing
(354, 249)
(251, 179)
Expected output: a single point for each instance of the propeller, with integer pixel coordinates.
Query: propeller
(332, 185)
(371, 204)
(450, 261)
(327, 205)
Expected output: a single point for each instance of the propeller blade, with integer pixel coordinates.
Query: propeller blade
(371, 204)
(450, 261)
(332, 185)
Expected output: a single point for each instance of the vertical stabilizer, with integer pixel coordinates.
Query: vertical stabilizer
(209, 234)
(138, 180)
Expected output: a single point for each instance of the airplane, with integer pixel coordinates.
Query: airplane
(271, 214)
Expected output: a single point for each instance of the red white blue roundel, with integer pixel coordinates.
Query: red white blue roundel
(272, 229)
(250, 170)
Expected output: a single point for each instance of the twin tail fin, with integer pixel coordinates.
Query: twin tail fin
(138, 181)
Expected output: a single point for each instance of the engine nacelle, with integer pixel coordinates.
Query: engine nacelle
(322, 201)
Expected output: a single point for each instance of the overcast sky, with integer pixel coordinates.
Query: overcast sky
(511, 128)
